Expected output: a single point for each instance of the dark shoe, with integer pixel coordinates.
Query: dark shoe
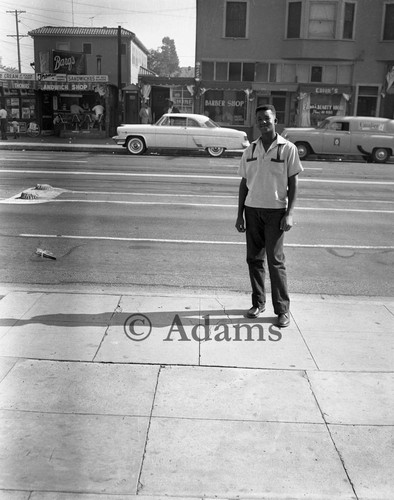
(254, 312)
(283, 320)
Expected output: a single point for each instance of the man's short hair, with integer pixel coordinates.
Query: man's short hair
(266, 107)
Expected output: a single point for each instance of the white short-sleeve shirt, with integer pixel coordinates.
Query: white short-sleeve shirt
(267, 172)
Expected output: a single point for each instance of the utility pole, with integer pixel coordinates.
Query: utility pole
(17, 36)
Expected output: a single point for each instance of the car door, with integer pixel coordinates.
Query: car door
(195, 134)
(171, 133)
(336, 138)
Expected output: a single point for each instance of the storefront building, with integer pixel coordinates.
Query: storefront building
(306, 57)
(49, 100)
(67, 104)
(78, 69)
(156, 91)
(19, 97)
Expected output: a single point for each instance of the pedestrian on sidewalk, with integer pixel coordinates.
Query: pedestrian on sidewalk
(3, 123)
(145, 113)
(15, 128)
(267, 194)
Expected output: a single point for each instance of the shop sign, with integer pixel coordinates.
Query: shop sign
(17, 76)
(326, 90)
(22, 85)
(51, 77)
(68, 62)
(79, 87)
(229, 102)
(55, 86)
(87, 78)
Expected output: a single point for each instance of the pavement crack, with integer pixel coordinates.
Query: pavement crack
(140, 485)
(323, 415)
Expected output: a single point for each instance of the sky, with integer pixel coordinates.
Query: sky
(150, 20)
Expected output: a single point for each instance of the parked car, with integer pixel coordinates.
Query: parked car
(180, 131)
(371, 137)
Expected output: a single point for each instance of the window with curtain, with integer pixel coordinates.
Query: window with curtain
(236, 19)
(322, 17)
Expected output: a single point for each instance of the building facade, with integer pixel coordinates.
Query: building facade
(309, 58)
(80, 67)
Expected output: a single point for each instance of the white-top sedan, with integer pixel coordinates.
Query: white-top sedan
(180, 131)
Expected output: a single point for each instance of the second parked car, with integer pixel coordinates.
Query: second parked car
(371, 137)
(180, 131)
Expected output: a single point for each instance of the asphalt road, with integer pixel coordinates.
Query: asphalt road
(168, 222)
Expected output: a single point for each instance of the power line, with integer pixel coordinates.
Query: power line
(17, 36)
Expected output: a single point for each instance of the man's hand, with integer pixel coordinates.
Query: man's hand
(286, 223)
(240, 225)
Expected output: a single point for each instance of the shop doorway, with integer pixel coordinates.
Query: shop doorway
(367, 100)
(159, 96)
(131, 107)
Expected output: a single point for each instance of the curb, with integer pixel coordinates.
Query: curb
(105, 148)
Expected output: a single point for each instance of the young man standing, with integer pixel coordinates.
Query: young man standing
(267, 194)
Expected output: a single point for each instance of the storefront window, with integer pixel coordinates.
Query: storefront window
(182, 99)
(21, 106)
(315, 105)
(225, 107)
(221, 71)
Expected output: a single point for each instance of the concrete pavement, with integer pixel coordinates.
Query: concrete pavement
(150, 396)
(209, 405)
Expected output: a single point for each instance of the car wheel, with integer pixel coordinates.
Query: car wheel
(303, 150)
(136, 146)
(215, 151)
(380, 155)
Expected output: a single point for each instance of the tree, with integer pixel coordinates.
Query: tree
(164, 61)
(8, 69)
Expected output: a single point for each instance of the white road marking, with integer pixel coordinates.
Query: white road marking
(230, 196)
(179, 176)
(199, 242)
(52, 160)
(205, 205)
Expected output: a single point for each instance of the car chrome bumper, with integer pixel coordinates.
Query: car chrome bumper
(119, 140)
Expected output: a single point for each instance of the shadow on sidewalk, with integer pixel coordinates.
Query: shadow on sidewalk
(156, 319)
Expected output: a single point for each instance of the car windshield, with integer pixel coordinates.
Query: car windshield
(166, 121)
(211, 124)
(324, 124)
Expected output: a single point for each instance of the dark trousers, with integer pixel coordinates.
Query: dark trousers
(265, 238)
(3, 128)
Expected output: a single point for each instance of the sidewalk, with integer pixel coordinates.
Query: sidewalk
(90, 410)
